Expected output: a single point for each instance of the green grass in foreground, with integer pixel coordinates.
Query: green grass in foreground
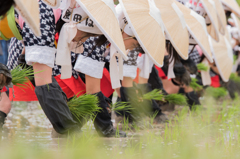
(213, 133)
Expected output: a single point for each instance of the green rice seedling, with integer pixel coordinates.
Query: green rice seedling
(216, 92)
(202, 67)
(121, 106)
(171, 98)
(177, 99)
(84, 106)
(153, 117)
(194, 85)
(154, 95)
(235, 77)
(126, 124)
(20, 76)
(212, 133)
(234, 58)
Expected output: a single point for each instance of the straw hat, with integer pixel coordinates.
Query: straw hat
(223, 56)
(175, 26)
(145, 20)
(197, 28)
(213, 29)
(29, 10)
(103, 13)
(221, 16)
(232, 5)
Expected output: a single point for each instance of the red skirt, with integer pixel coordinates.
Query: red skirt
(106, 85)
(4, 90)
(23, 94)
(161, 73)
(70, 86)
(215, 81)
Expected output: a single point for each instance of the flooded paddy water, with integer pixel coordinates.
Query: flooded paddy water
(212, 132)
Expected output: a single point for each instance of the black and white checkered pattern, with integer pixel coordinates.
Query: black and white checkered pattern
(14, 51)
(47, 27)
(57, 68)
(18, 26)
(194, 55)
(93, 51)
(132, 58)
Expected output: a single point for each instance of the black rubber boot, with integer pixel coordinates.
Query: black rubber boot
(156, 81)
(103, 123)
(55, 107)
(231, 87)
(193, 99)
(150, 107)
(2, 120)
(129, 95)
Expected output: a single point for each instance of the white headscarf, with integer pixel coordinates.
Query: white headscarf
(76, 19)
(123, 21)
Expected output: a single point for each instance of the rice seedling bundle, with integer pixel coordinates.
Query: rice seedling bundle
(21, 75)
(85, 106)
(154, 95)
(171, 98)
(177, 99)
(194, 85)
(235, 78)
(202, 67)
(121, 106)
(216, 92)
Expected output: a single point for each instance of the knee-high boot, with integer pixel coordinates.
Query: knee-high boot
(102, 122)
(55, 107)
(193, 99)
(2, 120)
(155, 80)
(151, 107)
(129, 95)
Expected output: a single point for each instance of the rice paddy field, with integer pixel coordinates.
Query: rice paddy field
(209, 132)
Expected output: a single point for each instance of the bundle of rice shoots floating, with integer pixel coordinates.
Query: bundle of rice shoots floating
(216, 92)
(194, 85)
(84, 106)
(177, 99)
(20, 76)
(202, 67)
